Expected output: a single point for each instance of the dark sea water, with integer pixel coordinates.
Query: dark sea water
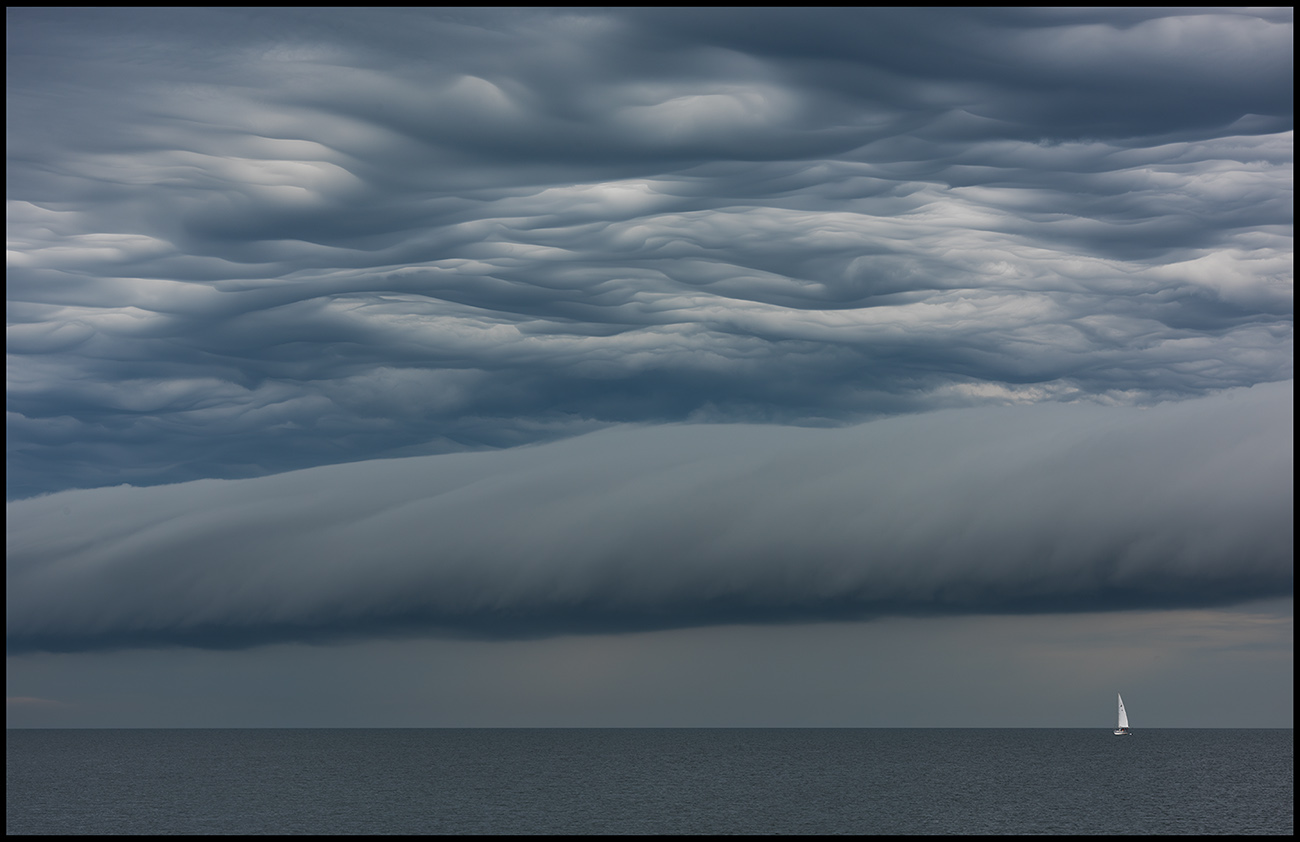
(755, 781)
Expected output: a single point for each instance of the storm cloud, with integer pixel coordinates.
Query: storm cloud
(245, 241)
(1053, 507)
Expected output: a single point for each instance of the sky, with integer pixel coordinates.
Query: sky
(545, 367)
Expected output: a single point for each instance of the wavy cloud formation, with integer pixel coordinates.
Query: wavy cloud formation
(1030, 509)
(244, 241)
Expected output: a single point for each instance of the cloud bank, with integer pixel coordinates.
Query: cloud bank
(1053, 507)
(243, 241)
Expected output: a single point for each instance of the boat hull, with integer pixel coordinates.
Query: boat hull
(1122, 732)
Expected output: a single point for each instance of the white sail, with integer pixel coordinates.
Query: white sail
(1123, 717)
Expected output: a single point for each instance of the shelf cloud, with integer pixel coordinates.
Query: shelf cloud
(1047, 508)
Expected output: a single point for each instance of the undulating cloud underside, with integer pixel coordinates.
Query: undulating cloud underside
(243, 241)
(1053, 507)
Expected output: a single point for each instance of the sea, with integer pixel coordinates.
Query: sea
(658, 781)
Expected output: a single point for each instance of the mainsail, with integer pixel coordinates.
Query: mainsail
(1123, 717)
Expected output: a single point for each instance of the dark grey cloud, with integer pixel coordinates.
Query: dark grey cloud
(244, 241)
(1045, 508)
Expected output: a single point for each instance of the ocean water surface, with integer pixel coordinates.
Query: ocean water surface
(753, 781)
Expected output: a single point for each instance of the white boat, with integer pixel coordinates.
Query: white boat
(1122, 729)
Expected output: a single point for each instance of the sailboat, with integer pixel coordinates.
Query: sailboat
(1122, 729)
